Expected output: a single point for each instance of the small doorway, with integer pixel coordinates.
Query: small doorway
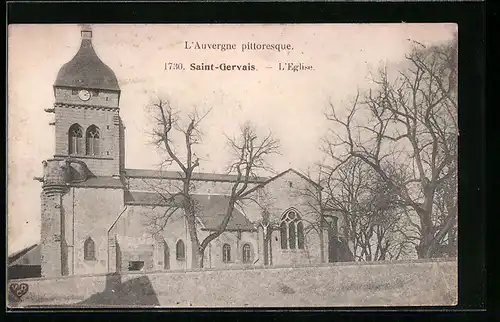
(135, 265)
(333, 246)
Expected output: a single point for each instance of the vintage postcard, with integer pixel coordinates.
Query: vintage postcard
(219, 165)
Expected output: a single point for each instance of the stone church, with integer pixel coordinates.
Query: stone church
(95, 212)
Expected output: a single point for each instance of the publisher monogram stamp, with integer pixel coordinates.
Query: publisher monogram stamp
(18, 289)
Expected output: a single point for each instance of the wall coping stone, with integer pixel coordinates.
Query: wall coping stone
(75, 156)
(247, 268)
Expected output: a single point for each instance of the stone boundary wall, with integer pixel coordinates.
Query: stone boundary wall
(402, 283)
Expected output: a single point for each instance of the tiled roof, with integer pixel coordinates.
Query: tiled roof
(28, 256)
(99, 182)
(213, 211)
(211, 208)
(86, 70)
(156, 174)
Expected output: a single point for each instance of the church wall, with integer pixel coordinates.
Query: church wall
(136, 243)
(94, 211)
(280, 195)
(213, 253)
(105, 164)
(134, 234)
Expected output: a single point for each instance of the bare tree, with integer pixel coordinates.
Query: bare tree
(249, 152)
(367, 209)
(166, 134)
(249, 157)
(406, 131)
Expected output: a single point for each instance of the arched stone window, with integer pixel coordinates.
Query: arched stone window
(180, 250)
(226, 253)
(247, 253)
(75, 139)
(292, 230)
(89, 249)
(93, 137)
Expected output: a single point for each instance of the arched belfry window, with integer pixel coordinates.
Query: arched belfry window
(75, 139)
(93, 137)
(226, 253)
(180, 250)
(291, 230)
(89, 249)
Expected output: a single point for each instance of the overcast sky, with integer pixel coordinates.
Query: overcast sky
(290, 104)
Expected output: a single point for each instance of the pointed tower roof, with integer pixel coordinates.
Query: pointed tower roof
(86, 70)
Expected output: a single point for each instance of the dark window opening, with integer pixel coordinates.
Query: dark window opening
(89, 249)
(247, 253)
(95, 93)
(135, 265)
(180, 250)
(74, 92)
(226, 253)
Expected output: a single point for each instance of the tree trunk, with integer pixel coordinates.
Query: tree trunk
(266, 249)
(195, 257)
(321, 244)
(426, 246)
(195, 244)
(200, 259)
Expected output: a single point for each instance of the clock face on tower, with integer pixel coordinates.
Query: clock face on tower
(84, 95)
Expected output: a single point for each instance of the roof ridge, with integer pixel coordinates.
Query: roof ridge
(211, 176)
(176, 171)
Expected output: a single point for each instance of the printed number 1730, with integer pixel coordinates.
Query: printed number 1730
(174, 66)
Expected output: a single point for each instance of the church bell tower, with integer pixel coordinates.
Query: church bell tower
(89, 142)
(87, 121)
